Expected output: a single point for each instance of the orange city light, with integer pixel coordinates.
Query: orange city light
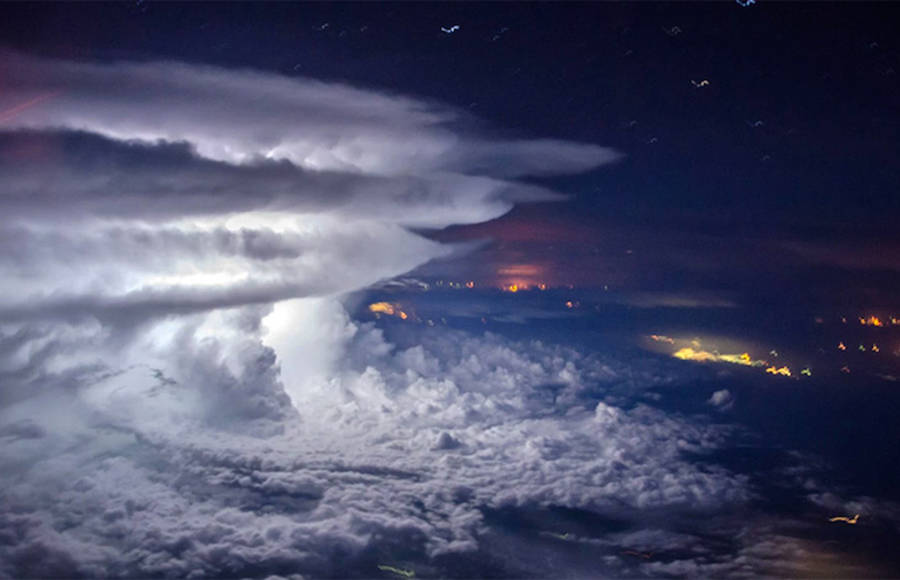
(688, 353)
(382, 308)
(387, 309)
(743, 359)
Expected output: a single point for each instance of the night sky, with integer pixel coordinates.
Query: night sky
(375, 290)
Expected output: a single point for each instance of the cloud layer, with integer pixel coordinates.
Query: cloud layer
(400, 452)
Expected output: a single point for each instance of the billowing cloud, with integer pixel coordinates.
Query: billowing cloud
(400, 452)
(133, 192)
(183, 391)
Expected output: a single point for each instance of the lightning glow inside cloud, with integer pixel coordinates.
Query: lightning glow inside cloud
(183, 391)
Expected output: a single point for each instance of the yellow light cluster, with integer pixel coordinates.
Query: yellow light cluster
(860, 348)
(521, 286)
(871, 320)
(744, 359)
(689, 353)
(387, 309)
(739, 359)
(470, 284)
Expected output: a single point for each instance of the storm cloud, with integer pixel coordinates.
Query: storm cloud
(153, 488)
(184, 392)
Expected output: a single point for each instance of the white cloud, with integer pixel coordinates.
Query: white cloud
(158, 488)
(183, 393)
(238, 116)
(134, 191)
(138, 198)
(723, 399)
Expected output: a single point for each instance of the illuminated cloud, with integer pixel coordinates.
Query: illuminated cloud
(359, 468)
(241, 116)
(136, 192)
(179, 374)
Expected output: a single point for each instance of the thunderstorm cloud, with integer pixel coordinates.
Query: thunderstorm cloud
(184, 392)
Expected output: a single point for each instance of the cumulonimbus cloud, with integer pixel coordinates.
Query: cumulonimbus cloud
(177, 182)
(183, 394)
(174, 355)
